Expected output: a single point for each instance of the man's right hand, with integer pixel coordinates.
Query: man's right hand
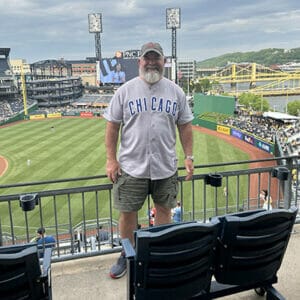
(113, 170)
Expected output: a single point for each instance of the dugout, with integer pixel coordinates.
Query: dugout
(212, 103)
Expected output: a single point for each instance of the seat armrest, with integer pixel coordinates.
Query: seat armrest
(46, 261)
(128, 248)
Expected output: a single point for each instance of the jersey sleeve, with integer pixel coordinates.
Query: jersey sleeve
(114, 112)
(185, 114)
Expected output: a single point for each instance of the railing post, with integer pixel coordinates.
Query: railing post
(287, 196)
(1, 240)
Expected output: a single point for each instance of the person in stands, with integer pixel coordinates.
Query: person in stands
(44, 241)
(265, 200)
(177, 212)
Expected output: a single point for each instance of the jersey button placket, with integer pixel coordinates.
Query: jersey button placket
(152, 148)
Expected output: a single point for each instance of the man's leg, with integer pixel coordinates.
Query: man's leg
(164, 194)
(129, 196)
(163, 215)
(127, 224)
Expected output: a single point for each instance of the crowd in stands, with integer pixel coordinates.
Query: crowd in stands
(287, 134)
(10, 108)
(5, 110)
(289, 139)
(258, 126)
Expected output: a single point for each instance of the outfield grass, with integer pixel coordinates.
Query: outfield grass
(74, 147)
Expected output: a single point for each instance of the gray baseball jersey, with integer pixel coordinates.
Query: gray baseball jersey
(148, 115)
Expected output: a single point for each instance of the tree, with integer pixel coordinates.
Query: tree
(254, 102)
(202, 86)
(293, 108)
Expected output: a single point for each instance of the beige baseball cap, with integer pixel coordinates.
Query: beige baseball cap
(152, 47)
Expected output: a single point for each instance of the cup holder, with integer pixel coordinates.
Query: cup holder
(214, 180)
(282, 173)
(28, 201)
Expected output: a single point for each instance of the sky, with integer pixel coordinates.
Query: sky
(37, 30)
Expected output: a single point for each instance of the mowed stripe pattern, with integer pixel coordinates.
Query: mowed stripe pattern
(74, 147)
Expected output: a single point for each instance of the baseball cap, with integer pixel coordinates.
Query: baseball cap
(152, 47)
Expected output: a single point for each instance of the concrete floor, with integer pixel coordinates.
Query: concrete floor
(88, 279)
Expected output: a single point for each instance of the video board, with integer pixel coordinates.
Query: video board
(116, 70)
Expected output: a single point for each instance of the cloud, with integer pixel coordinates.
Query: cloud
(37, 30)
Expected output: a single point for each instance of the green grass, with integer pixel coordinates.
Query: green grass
(75, 148)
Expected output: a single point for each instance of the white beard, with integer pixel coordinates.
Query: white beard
(150, 76)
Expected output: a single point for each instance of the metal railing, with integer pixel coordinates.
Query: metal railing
(81, 216)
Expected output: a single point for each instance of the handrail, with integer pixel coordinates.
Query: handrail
(200, 201)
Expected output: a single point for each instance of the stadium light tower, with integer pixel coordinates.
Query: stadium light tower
(95, 26)
(173, 22)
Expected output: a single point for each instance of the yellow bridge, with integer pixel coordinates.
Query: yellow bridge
(261, 80)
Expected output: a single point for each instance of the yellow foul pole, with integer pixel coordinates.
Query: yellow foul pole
(24, 92)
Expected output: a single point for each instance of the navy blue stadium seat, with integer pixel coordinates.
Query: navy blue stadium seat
(242, 251)
(251, 249)
(21, 274)
(171, 261)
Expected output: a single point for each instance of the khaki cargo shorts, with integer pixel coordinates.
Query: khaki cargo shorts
(130, 193)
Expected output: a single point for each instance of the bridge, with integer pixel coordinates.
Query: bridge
(254, 78)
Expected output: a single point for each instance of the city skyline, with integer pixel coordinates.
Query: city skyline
(38, 30)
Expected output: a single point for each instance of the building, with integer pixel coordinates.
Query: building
(85, 69)
(186, 69)
(8, 86)
(54, 91)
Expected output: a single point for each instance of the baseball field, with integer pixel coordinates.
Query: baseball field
(61, 148)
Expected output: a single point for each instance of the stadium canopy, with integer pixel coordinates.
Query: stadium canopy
(4, 52)
(278, 116)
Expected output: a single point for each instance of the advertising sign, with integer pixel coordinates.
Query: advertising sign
(223, 129)
(237, 134)
(86, 114)
(36, 117)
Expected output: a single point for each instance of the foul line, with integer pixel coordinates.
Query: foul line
(3, 165)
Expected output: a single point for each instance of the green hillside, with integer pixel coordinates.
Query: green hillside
(265, 57)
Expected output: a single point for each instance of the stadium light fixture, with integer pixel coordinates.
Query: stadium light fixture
(173, 22)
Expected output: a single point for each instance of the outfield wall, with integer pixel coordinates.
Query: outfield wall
(82, 114)
(239, 134)
(212, 103)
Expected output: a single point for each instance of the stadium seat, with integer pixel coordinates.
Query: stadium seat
(22, 276)
(250, 251)
(243, 251)
(171, 261)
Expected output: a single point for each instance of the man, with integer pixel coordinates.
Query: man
(43, 240)
(146, 111)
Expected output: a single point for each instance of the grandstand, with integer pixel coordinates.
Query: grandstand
(10, 101)
(54, 91)
(8, 87)
(50, 68)
(90, 101)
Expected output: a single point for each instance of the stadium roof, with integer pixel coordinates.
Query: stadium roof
(280, 116)
(4, 51)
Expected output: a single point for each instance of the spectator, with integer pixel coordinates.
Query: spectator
(177, 212)
(265, 200)
(44, 241)
(152, 213)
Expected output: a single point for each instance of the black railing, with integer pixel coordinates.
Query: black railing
(79, 212)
